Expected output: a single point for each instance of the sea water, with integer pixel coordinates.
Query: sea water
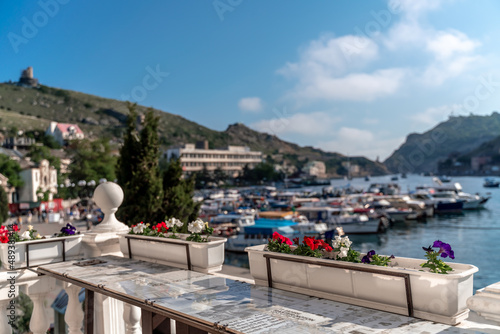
(474, 235)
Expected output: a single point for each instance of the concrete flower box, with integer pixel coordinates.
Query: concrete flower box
(203, 257)
(402, 288)
(42, 251)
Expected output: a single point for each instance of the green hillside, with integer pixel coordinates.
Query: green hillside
(457, 136)
(34, 108)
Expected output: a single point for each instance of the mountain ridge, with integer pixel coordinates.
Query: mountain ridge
(104, 117)
(422, 152)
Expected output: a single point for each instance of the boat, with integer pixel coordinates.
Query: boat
(394, 178)
(445, 179)
(345, 217)
(367, 178)
(491, 183)
(243, 230)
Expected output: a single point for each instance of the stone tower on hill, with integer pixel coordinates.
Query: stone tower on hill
(27, 79)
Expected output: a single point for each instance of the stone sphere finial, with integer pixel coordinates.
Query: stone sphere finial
(109, 196)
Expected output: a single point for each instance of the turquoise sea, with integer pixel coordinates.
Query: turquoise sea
(473, 235)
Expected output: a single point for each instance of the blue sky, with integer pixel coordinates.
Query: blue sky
(343, 76)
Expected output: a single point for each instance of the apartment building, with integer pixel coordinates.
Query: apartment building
(231, 159)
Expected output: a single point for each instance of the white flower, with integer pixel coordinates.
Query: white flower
(343, 252)
(173, 222)
(26, 235)
(336, 243)
(340, 231)
(139, 228)
(196, 226)
(38, 236)
(346, 241)
(30, 227)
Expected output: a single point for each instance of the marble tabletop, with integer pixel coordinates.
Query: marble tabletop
(243, 307)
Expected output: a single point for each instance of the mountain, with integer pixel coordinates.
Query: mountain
(454, 137)
(33, 108)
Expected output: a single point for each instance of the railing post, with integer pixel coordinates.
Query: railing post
(74, 313)
(132, 317)
(37, 292)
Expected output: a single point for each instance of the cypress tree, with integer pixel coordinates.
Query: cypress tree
(137, 170)
(4, 206)
(178, 195)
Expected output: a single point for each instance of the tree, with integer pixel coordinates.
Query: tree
(38, 153)
(138, 170)
(11, 169)
(178, 195)
(92, 160)
(4, 206)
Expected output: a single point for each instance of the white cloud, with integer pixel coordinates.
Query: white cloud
(434, 115)
(358, 142)
(447, 44)
(252, 104)
(313, 124)
(329, 69)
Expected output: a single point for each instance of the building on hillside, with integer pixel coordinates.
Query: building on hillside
(18, 142)
(12, 154)
(64, 132)
(315, 169)
(230, 159)
(477, 163)
(38, 180)
(27, 79)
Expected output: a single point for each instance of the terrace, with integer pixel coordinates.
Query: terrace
(130, 296)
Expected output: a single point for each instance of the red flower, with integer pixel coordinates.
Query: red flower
(4, 239)
(328, 248)
(311, 243)
(15, 228)
(296, 240)
(282, 239)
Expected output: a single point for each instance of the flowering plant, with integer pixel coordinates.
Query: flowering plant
(169, 228)
(11, 233)
(434, 264)
(67, 230)
(309, 247)
(341, 250)
(196, 229)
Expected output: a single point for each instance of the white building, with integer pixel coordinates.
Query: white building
(315, 168)
(231, 159)
(38, 179)
(63, 132)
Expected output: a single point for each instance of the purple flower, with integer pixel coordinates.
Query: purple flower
(444, 249)
(68, 230)
(367, 258)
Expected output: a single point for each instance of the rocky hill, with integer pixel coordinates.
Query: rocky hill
(457, 136)
(33, 108)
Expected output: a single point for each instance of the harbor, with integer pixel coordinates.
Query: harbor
(472, 233)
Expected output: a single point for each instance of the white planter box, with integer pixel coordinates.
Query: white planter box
(435, 297)
(43, 251)
(203, 257)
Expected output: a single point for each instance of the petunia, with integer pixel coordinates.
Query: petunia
(26, 235)
(196, 226)
(139, 228)
(296, 240)
(343, 252)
